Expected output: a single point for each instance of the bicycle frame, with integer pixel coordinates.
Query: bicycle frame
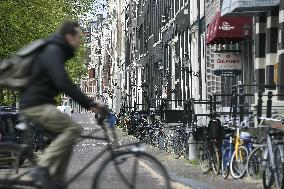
(225, 144)
(238, 142)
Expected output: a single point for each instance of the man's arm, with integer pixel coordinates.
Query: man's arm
(53, 61)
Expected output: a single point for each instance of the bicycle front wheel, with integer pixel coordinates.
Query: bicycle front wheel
(267, 172)
(254, 162)
(279, 168)
(203, 157)
(215, 160)
(129, 170)
(225, 163)
(238, 162)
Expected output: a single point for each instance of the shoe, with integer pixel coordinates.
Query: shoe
(41, 177)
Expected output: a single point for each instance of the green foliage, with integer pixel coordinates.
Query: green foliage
(76, 67)
(23, 21)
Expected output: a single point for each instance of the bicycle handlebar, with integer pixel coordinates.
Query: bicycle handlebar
(270, 119)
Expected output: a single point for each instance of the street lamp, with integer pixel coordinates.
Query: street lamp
(247, 67)
(246, 29)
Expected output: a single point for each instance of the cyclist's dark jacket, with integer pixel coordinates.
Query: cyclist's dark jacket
(49, 77)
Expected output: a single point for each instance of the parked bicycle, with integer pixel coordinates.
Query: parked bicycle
(208, 150)
(154, 132)
(181, 141)
(227, 148)
(273, 154)
(243, 145)
(169, 139)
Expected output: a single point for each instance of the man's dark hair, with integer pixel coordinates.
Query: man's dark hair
(68, 27)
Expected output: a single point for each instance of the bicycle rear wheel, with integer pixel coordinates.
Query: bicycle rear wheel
(225, 164)
(254, 163)
(203, 157)
(129, 170)
(238, 164)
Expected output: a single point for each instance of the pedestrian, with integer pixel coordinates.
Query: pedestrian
(49, 79)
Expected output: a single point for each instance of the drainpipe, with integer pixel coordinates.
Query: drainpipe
(199, 48)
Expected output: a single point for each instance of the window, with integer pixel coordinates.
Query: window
(177, 6)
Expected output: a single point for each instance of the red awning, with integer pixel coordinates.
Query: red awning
(227, 29)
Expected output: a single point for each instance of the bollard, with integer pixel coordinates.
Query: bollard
(161, 142)
(192, 152)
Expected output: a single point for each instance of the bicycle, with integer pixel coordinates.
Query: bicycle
(273, 156)
(120, 159)
(169, 139)
(241, 149)
(254, 163)
(154, 132)
(227, 149)
(208, 154)
(180, 142)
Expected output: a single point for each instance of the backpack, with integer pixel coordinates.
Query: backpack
(15, 70)
(215, 129)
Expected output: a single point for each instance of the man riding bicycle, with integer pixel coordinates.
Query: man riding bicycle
(49, 79)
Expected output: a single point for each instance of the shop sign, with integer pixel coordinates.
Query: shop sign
(227, 63)
(226, 26)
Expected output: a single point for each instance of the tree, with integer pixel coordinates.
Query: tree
(23, 21)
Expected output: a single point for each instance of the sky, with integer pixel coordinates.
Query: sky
(101, 8)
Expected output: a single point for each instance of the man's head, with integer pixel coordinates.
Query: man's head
(71, 31)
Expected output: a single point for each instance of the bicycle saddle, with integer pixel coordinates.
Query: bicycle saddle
(228, 135)
(245, 135)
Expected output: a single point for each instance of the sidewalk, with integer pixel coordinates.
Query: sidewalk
(191, 175)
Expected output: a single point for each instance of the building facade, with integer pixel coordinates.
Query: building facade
(150, 51)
